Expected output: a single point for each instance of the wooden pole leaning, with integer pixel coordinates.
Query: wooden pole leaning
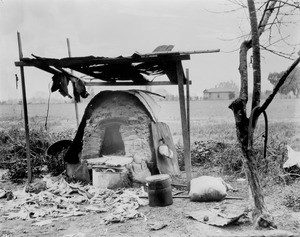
(29, 168)
(188, 106)
(75, 103)
(187, 153)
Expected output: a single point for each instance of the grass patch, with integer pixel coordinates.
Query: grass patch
(13, 150)
(225, 152)
(291, 196)
(214, 147)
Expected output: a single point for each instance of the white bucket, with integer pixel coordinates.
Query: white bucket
(107, 179)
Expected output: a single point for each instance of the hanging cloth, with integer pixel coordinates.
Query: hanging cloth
(60, 83)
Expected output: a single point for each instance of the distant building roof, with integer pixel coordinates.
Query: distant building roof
(218, 90)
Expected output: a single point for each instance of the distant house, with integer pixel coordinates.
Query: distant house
(218, 94)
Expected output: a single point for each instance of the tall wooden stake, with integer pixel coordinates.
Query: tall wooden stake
(188, 105)
(29, 170)
(187, 154)
(75, 103)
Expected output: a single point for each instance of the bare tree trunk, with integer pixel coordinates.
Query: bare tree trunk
(244, 125)
(244, 131)
(261, 216)
(250, 168)
(255, 55)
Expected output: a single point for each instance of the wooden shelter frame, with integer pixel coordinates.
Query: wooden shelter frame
(75, 64)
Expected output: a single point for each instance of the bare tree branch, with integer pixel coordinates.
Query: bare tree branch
(280, 54)
(288, 3)
(266, 17)
(279, 84)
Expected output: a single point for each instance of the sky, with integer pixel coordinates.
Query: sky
(112, 28)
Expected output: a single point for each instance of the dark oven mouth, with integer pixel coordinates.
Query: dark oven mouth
(112, 143)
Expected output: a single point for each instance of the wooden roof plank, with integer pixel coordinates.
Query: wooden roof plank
(129, 83)
(181, 53)
(90, 60)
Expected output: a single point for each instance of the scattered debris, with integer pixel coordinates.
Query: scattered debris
(9, 195)
(2, 193)
(157, 225)
(6, 194)
(217, 218)
(124, 207)
(62, 199)
(36, 187)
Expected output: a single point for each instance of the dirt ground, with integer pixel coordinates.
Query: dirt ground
(173, 217)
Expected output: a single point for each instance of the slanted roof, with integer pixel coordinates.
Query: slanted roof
(137, 69)
(114, 71)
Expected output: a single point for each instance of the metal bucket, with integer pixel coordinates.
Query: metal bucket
(109, 179)
(159, 190)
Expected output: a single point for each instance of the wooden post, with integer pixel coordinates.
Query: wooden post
(75, 103)
(188, 105)
(29, 170)
(187, 154)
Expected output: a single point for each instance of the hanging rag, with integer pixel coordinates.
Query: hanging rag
(78, 89)
(60, 83)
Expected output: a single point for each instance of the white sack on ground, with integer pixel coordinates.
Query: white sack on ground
(208, 189)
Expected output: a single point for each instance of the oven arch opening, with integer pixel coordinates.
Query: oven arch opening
(112, 143)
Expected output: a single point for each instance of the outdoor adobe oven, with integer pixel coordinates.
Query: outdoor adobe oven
(123, 123)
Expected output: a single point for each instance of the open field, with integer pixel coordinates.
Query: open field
(209, 119)
(203, 113)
